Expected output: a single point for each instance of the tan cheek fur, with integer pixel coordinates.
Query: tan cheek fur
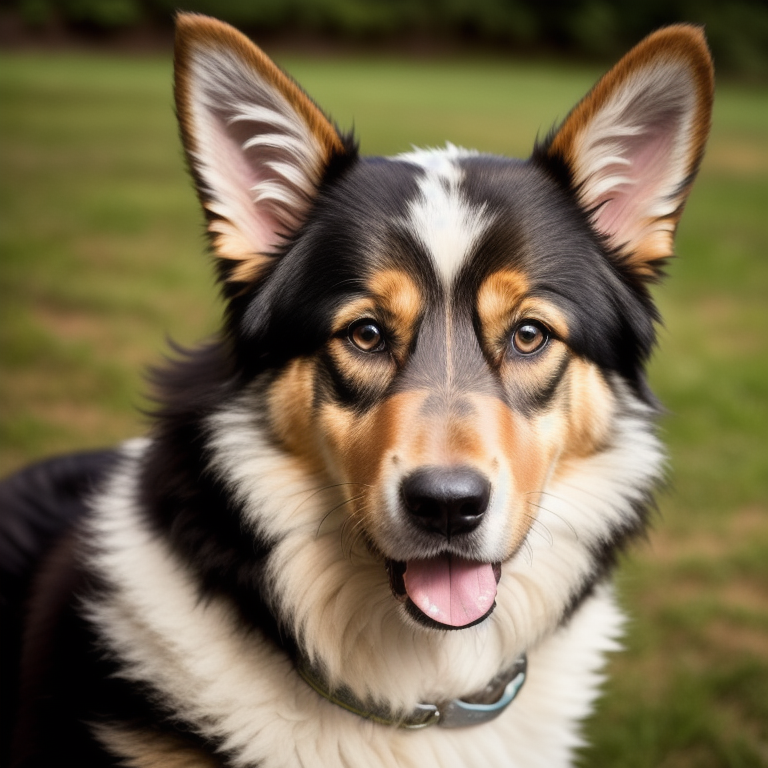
(360, 442)
(591, 405)
(290, 409)
(350, 443)
(577, 424)
(528, 448)
(371, 374)
(397, 437)
(524, 379)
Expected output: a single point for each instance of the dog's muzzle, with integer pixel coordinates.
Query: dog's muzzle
(445, 591)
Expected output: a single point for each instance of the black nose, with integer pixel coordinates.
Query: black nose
(446, 500)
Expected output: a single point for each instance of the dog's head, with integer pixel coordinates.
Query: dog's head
(445, 332)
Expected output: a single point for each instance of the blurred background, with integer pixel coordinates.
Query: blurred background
(102, 259)
(587, 29)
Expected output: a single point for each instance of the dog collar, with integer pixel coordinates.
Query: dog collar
(480, 707)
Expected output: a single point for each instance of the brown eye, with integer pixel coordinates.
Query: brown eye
(366, 336)
(529, 337)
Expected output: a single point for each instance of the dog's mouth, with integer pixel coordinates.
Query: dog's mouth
(445, 592)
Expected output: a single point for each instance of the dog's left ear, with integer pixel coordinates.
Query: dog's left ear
(258, 147)
(631, 148)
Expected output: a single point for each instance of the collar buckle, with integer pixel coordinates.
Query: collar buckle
(422, 717)
(458, 713)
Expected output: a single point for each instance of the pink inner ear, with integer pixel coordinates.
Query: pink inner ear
(625, 208)
(231, 180)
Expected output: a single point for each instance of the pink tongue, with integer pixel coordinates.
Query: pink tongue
(450, 590)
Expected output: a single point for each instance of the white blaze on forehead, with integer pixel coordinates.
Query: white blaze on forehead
(441, 217)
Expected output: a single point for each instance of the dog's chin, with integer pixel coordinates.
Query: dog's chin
(445, 592)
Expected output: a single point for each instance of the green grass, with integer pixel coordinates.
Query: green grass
(102, 257)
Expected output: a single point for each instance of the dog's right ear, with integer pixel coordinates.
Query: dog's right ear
(258, 147)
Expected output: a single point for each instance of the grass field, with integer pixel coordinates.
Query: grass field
(102, 259)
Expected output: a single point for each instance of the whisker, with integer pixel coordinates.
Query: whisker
(314, 491)
(352, 536)
(333, 509)
(535, 524)
(557, 515)
(528, 551)
(575, 488)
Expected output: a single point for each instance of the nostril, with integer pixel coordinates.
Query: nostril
(446, 500)
(471, 508)
(424, 507)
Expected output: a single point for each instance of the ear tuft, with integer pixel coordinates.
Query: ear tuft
(257, 146)
(633, 145)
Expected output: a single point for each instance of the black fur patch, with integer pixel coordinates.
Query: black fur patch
(37, 507)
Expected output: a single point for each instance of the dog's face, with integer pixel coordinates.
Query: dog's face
(443, 332)
(457, 359)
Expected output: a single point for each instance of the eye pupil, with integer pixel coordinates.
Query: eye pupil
(366, 336)
(529, 338)
(368, 333)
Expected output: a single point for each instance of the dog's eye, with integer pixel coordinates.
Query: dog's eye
(367, 336)
(529, 336)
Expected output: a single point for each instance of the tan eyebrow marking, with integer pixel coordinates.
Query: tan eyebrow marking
(394, 300)
(394, 303)
(398, 295)
(498, 295)
(504, 297)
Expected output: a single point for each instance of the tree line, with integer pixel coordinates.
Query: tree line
(595, 29)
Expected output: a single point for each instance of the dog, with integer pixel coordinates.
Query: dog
(375, 521)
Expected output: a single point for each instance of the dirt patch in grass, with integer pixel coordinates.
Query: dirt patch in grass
(731, 531)
(125, 340)
(705, 593)
(725, 636)
(693, 757)
(84, 419)
(744, 160)
(747, 593)
(73, 325)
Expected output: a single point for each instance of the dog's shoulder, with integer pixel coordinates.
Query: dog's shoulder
(40, 508)
(38, 503)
